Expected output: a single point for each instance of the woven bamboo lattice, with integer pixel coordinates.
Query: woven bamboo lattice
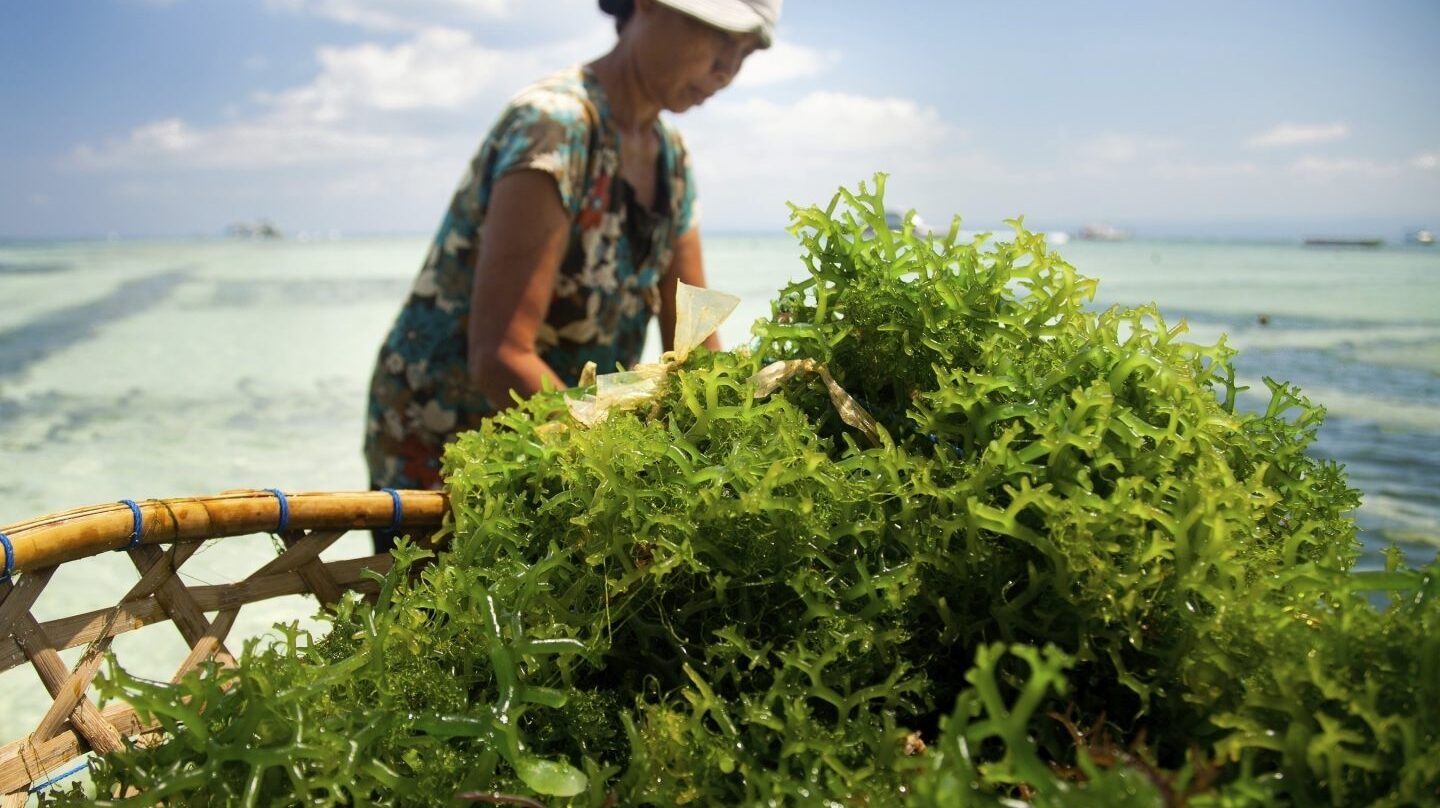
(170, 532)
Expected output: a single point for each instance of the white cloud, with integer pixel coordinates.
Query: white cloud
(359, 107)
(1122, 148)
(1323, 168)
(1429, 161)
(173, 143)
(396, 15)
(439, 68)
(785, 61)
(752, 155)
(170, 135)
(1111, 149)
(1199, 172)
(1114, 152)
(1294, 134)
(822, 125)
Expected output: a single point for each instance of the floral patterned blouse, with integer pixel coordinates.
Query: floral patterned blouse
(606, 290)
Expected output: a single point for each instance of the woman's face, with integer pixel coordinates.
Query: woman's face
(684, 61)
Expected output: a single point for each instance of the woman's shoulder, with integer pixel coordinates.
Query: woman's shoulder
(561, 97)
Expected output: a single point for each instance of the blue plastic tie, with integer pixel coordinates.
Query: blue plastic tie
(284, 509)
(39, 787)
(139, 525)
(397, 512)
(9, 557)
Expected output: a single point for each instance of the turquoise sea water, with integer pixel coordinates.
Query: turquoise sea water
(165, 369)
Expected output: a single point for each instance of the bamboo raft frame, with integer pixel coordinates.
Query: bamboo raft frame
(172, 530)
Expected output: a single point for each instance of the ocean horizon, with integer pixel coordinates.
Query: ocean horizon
(1393, 231)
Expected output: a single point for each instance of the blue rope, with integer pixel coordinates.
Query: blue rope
(9, 557)
(284, 509)
(39, 787)
(139, 524)
(397, 513)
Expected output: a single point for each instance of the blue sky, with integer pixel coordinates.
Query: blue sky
(1281, 118)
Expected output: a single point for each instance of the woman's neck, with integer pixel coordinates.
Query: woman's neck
(634, 111)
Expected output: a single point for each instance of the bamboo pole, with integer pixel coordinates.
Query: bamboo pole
(71, 535)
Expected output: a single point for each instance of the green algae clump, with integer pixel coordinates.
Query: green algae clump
(1064, 569)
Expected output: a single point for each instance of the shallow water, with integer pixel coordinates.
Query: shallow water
(1357, 330)
(164, 369)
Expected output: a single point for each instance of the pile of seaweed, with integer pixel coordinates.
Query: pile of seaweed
(1064, 568)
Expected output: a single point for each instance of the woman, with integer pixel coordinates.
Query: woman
(568, 233)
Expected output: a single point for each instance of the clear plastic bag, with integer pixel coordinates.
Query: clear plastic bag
(698, 312)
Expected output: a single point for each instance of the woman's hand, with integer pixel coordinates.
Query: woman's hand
(686, 265)
(522, 244)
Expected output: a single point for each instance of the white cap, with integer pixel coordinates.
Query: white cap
(741, 16)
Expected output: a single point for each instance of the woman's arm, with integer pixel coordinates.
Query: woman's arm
(686, 265)
(522, 244)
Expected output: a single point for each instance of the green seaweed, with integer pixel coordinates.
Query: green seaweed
(1072, 572)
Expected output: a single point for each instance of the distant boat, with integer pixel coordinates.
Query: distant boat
(1102, 232)
(1343, 242)
(1422, 236)
(895, 220)
(260, 229)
